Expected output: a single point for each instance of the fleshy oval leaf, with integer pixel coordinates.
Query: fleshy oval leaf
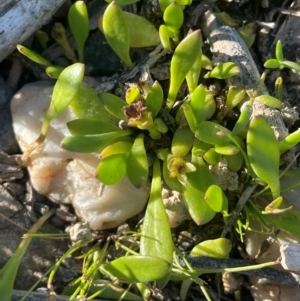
(137, 163)
(234, 96)
(193, 194)
(112, 169)
(182, 61)
(91, 143)
(33, 56)
(212, 133)
(264, 161)
(173, 17)
(223, 71)
(182, 141)
(219, 248)
(90, 127)
(79, 23)
(216, 198)
(116, 32)
(114, 105)
(119, 147)
(137, 268)
(269, 101)
(154, 99)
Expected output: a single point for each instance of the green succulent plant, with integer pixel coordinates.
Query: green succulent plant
(179, 155)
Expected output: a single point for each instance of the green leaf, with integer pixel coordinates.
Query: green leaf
(112, 169)
(79, 23)
(224, 71)
(182, 141)
(156, 238)
(291, 65)
(212, 133)
(234, 96)
(173, 17)
(263, 153)
(154, 99)
(86, 104)
(212, 157)
(132, 94)
(192, 77)
(123, 2)
(137, 163)
(114, 105)
(137, 27)
(120, 147)
(54, 71)
(33, 56)
(228, 149)
(198, 101)
(244, 118)
(235, 162)
(173, 183)
(90, 127)
(269, 101)
(216, 198)
(190, 117)
(272, 64)
(193, 193)
(165, 35)
(278, 51)
(116, 32)
(219, 248)
(137, 268)
(290, 141)
(91, 143)
(182, 61)
(65, 89)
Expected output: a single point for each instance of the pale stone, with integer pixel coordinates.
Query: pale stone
(68, 177)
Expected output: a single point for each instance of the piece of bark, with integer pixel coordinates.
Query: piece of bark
(226, 45)
(20, 19)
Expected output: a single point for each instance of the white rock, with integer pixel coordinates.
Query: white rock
(68, 177)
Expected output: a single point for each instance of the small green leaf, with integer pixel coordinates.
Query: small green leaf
(132, 94)
(278, 51)
(164, 36)
(123, 2)
(112, 169)
(154, 99)
(234, 96)
(228, 149)
(244, 118)
(43, 38)
(91, 143)
(212, 133)
(79, 23)
(190, 117)
(235, 162)
(90, 127)
(54, 71)
(114, 105)
(116, 32)
(173, 17)
(224, 71)
(65, 89)
(272, 64)
(219, 248)
(248, 33)
(269, 101)
(264, 160)
(173, 183)
(120, 147)
(216, 198)
(279, 88)
(33, 56)
(182, 61)
(182, 141)
(193, 193)
(137, 268)
(289, 142)
(86, 104)
(156, 238)
(212, 157)
(291, 65)
(192, 77)
(206, 63)
(198, 100)
(137, 163)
